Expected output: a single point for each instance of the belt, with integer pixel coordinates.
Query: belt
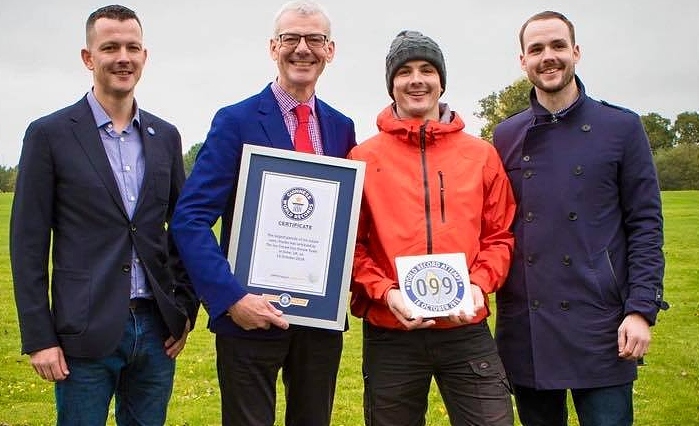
(141, 304)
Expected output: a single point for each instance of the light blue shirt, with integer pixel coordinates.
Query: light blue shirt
(125, 153)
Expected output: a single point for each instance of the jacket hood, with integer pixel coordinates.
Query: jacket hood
(408, 129)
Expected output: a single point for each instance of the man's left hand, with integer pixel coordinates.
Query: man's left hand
(174, 347)
(633, 337)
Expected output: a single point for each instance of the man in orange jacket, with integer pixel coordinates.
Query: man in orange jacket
(430, 190)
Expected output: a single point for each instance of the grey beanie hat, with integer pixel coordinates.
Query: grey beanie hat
(409, 46)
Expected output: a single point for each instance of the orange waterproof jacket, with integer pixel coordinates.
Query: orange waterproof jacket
(429, 188)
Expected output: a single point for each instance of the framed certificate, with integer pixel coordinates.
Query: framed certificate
(435, 285)
(294, 230)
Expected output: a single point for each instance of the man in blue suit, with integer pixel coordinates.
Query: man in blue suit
(586, 280)
(253, 341)
(97, 183)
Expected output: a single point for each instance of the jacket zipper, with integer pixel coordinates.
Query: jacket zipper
(425, 183)
(441, 196)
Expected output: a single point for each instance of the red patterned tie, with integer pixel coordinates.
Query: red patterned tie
(302, 136)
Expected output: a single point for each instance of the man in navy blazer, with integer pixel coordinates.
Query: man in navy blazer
(97, 185)
(253, 341)
(586, 280)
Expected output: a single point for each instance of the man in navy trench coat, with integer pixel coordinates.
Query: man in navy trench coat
(585, 283)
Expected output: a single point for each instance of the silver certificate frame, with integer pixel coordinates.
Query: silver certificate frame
(294, 230)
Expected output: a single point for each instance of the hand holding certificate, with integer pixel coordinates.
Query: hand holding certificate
(293, 232)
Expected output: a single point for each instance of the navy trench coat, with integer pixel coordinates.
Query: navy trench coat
(588, 243)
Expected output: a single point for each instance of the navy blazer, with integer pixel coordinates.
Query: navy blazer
(209, 193)
(67, 198)
(588, 243)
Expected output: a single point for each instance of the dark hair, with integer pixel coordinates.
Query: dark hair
(547, 15)
(114, 11)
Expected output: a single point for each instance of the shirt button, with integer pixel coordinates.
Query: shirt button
(121, 138)
(132, 198)
(127, 168)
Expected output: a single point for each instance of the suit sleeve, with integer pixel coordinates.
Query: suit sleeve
(202, 202)
(30, 239)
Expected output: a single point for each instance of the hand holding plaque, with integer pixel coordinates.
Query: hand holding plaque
(435, 285)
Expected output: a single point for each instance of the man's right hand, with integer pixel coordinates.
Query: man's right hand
(50, 364)
(254, 311)
(394, 300)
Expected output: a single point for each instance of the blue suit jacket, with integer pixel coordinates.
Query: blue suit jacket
(67, 198)
(209, 194)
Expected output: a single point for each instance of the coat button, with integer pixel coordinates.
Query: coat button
(566, 260)
(530, 260)
(535, 305)
(526, 158)
(133, 228)
(529, 217)
(125, 268)
(565, 305)
(572, 216)
(578, 170)
(528, 174)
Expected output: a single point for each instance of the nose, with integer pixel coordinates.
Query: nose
(123, 55)
(302, 46)
(548, 53)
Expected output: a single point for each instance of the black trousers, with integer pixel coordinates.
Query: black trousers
(399, 366)
(247, 373)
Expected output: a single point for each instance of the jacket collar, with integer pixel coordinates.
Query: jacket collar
(408, 129)
(540, 111)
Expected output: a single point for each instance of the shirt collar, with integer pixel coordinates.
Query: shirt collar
(101, 117)
(287, 103)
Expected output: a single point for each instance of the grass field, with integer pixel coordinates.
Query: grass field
(666, 394)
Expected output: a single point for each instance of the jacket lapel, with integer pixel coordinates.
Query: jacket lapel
(149, 135)
(328, 132)
(275, 129)
(87, 134)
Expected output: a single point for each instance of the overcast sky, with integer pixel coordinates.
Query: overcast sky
(203, 55)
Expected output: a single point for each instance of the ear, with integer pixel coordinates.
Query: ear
(273, 51)
(330, 51)
(87, 59)
(576, 54)
(522, 63)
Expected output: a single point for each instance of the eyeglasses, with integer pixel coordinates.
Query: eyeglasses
(314, 41)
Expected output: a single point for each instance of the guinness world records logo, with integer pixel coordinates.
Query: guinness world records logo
(434, 286)
(298, 203)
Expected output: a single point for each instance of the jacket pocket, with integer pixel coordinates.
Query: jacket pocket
(70, 300)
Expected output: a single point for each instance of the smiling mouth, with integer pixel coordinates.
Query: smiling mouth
(303, 63)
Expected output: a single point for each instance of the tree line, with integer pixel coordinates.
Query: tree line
(675, 144)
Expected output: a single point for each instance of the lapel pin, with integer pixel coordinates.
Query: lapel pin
(150, 130)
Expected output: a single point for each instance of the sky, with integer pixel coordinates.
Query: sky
(203, 55)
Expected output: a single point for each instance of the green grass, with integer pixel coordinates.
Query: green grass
(666, 393)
